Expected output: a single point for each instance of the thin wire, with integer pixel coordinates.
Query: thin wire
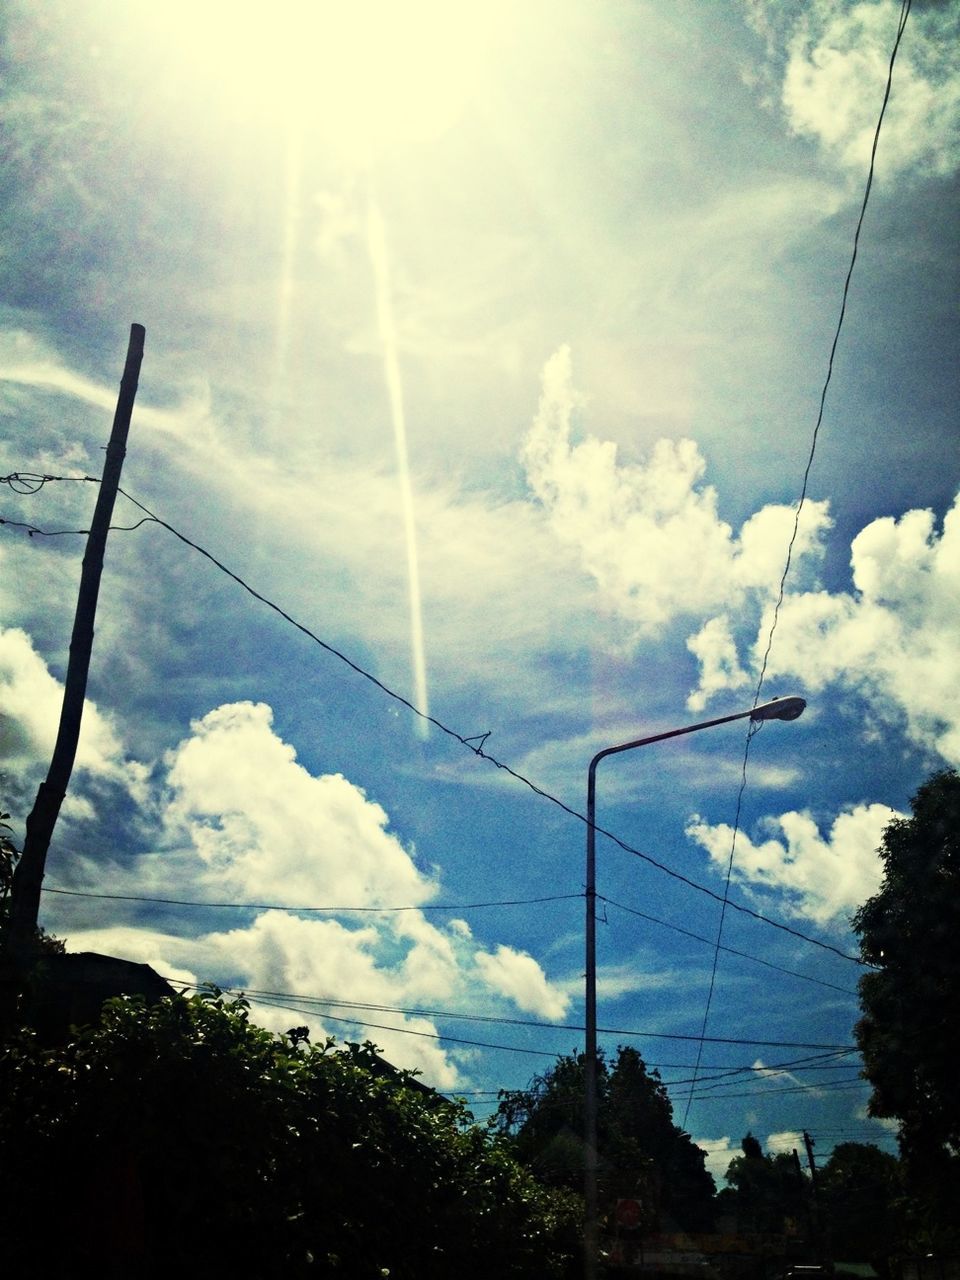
(752, 731)
(277, 906)
(433, 906)
(904, 14)
(838, 1086)
(901, 27)
(326, 1003)
(478, 750)
(29, 482)
(31, 529)
(812, 1062)
(687, 933)
(723, 1080)
(407, 1031)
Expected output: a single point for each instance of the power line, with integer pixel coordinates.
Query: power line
(813, 1062)
(901, 26)
(832, 1087)
(325, 1003)
(687, 933)
(433, 906)
(292, 907)
(478, 750)
(30, 482)
(407, 1031)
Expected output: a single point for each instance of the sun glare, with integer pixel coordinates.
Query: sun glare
(361, 75)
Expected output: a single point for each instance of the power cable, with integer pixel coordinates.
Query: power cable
(276, 906)
(744, 955)
(478, 750)
(434, 906)
(901, 27)
(325, 1003)
(831, 1087)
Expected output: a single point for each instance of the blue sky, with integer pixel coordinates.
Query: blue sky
(488, 345)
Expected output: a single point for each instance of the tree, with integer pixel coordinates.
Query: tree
(911, 997)
(766, 1194)
(182, 1139)
(9, 856)
(861, 1191)
(642, 1152)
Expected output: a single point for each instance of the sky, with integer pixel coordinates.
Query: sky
(486, 345)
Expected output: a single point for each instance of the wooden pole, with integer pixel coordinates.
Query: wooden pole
(28, 877)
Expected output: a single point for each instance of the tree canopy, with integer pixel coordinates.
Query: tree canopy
(765, 1193)
(911, 997)
(9, 856)
(861, 1190)
(641, 1152)
(181, 1138)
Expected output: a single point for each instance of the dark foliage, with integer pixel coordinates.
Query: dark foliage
(861, 1191)
(181, 1139)
(642, 1153)
(766, 1194)
(9, 855)
(911, 1001)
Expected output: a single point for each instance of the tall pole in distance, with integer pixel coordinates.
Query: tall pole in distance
(28, 877)
(778, 709)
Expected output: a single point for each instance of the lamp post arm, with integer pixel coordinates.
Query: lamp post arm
(661, 737)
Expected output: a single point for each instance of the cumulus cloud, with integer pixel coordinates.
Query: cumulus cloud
(518, 976)
(835, 75)
(175, 959)
(31, 698)
(258, 826)
(719, 1152)
(822, 878)
(257, 819)
(893, 638)
(784, 1142)
(649, 533)
(716, 652)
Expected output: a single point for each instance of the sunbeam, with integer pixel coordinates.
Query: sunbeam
(379, 261)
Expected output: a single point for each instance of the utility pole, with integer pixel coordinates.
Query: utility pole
(28, 877)
(815, 1197)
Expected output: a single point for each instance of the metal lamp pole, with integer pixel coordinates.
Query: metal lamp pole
(778, 709)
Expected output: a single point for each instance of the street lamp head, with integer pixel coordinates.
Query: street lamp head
(779, 709)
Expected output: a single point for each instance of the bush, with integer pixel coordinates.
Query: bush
(182, 1138)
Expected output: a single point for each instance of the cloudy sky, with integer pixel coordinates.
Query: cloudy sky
(487, 344)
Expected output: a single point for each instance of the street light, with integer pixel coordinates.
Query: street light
(778, 709)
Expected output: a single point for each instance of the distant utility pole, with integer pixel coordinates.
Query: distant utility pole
(28, 877)
(815, 1195)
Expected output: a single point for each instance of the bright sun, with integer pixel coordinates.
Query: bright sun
(360, 73)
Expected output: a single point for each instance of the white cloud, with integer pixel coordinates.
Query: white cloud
(825, 878)
(31, 698)
(257, 826)
(649, 534)
(716, 651)
(883, 1122)
(178, 960)
(517, 975)
(719, 1153)
(258, 819)
(835, 77)
(893, 638)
